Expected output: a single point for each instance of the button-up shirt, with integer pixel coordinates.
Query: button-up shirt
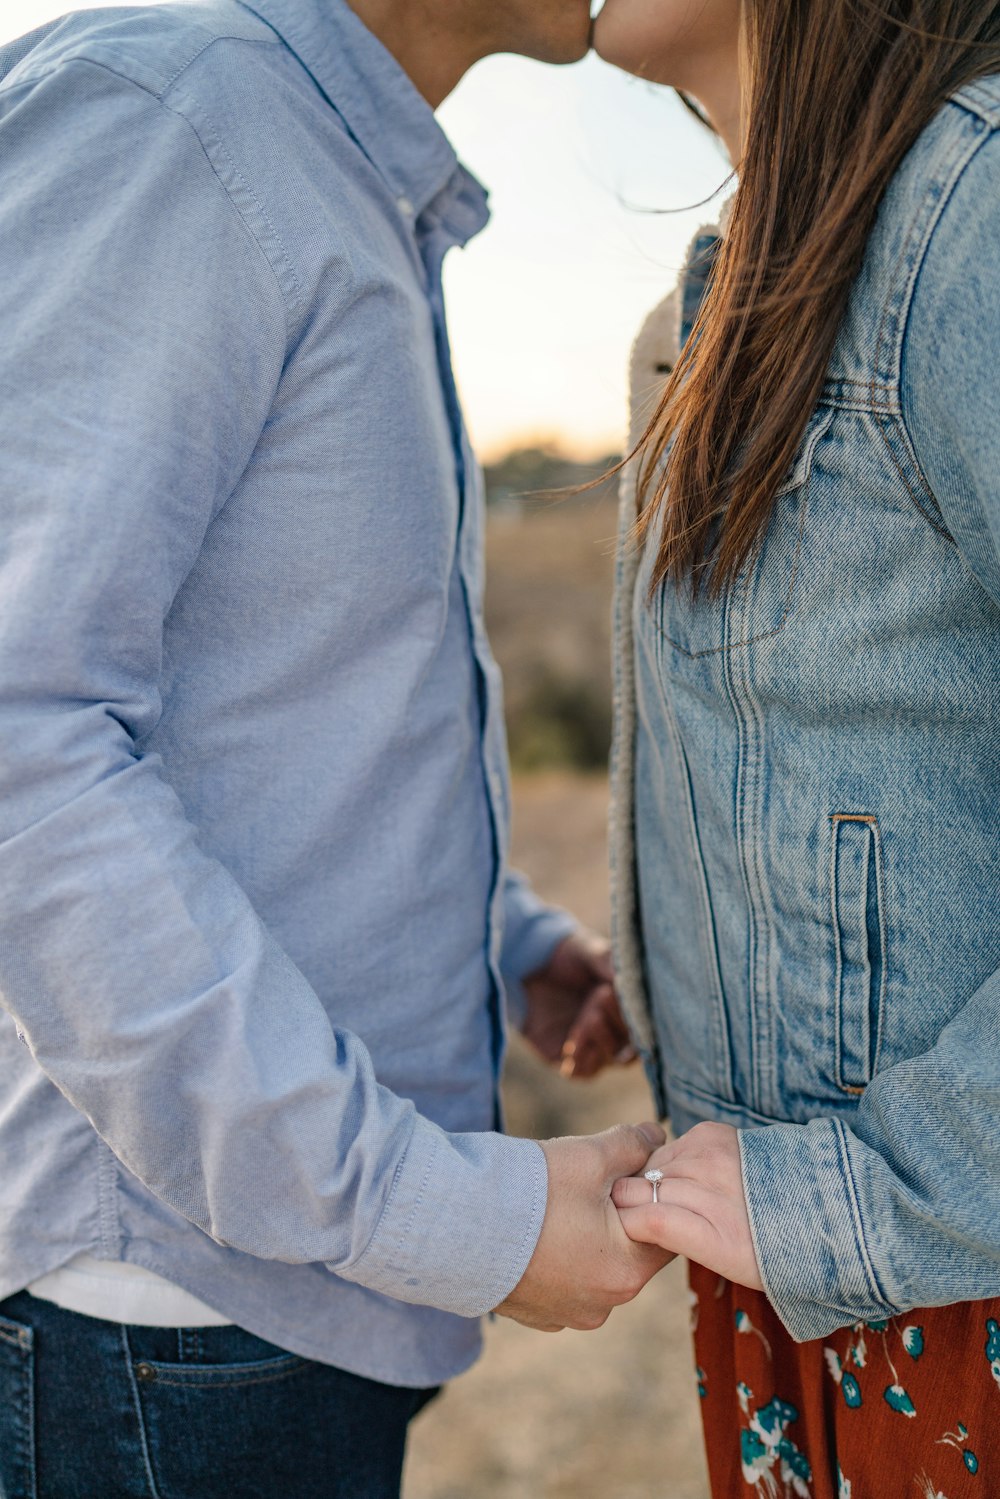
(253, 796)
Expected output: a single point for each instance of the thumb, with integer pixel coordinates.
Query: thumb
(628, 1147)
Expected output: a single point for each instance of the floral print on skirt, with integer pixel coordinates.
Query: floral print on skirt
(907, 1408)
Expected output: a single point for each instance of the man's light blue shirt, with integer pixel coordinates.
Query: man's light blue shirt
(253, 793)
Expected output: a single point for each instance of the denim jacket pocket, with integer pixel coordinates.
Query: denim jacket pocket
(757, 606)
(17, 1411)
(857, 911)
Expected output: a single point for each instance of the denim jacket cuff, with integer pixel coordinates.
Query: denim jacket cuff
(807, 1228)
(460, 1223)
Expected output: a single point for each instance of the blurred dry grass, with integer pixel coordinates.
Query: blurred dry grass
(611, 1414)
(548, 606)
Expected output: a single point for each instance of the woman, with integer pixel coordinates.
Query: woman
(808, 754)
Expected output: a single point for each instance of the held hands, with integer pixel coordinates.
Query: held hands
(702, 1211)
(585, 1264)
(573, 1018)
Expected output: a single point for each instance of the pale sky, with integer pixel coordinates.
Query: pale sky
(545, 303)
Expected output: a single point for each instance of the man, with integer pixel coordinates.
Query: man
(253, 803)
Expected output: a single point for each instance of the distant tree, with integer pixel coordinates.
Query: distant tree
(537, 474)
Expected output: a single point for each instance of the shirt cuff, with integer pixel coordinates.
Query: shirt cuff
(460, 1223)
(807, 1229)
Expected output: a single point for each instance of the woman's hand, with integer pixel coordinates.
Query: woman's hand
(702, 1210)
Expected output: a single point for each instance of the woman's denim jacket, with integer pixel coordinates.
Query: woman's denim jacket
(823, 968)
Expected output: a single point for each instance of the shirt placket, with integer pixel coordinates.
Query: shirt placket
(435, 241)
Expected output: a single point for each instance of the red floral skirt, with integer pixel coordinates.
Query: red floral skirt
(903, 1409)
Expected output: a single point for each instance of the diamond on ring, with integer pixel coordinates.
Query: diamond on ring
(654, 1177)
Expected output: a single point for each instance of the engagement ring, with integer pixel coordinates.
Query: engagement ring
(655, 1177)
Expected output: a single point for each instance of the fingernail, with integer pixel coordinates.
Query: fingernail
(569, 1050)
(567, 1067)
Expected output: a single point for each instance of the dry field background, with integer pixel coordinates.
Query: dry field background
(611, 1414)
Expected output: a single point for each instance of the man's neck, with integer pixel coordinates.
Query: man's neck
(425, 41)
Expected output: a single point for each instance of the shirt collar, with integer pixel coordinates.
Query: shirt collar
(383, 110)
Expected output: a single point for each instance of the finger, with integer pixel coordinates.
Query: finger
(602, 963)
(672, 1191)
(632, 1192)
(592, 1044)
(673, 1228)
(631, 1143)
(702, 1158)
(606, 997)
(663, 1157)
(524, 1319)
(599, 1031)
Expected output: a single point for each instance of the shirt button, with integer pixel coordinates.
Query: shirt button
(405, 207)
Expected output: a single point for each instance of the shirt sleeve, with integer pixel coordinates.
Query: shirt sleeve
(900, 1208)
(144, 336)
(532, 932)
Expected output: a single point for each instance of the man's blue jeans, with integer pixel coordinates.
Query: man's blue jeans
(95, 1410)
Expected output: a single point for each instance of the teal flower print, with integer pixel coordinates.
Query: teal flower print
(702, 1379)
(849, 1387)
(957, 1440)
(767, 1452)
(794, 1463)
(858, 1351)
(743, 1324)
(744, 1395)
(913, 1341)
(897, 1398)
(993, 1347)
(843, 1486)
(852, 1392)
(754, 1456)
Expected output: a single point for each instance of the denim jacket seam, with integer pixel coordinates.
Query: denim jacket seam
(947, 174)
(925, 493)
(857, 1222)
(984, 134)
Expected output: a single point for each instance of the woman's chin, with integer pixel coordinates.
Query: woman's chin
(616, 42)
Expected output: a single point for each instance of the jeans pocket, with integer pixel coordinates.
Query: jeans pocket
(857, 907)
(217, 1418)
(17, 1411)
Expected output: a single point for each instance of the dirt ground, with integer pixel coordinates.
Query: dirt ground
(605, 1415)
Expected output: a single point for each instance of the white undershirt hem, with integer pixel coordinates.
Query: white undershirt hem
(116, 1292)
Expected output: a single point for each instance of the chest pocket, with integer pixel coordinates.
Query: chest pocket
(758, 603)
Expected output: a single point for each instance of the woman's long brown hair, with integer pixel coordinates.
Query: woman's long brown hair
(838, 90)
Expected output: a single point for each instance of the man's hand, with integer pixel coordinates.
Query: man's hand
(584, 1264)
(702, 1210)
(573, 1018)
